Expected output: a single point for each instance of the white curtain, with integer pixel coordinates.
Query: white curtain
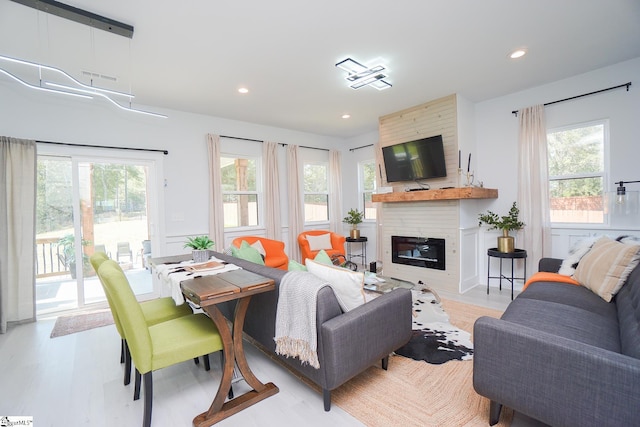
(273, 226)
(216, 211)
(335, 191)
(380, 243)
(17, 230)
(296, 206)
(533, 185)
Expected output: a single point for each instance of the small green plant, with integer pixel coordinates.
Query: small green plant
(69, 250)
(199, 243)
(68, 256)
(505, 223)
(354, 217)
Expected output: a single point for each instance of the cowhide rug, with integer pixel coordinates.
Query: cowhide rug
(434, 339)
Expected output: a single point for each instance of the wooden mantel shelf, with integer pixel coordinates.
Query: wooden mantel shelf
(437, 194)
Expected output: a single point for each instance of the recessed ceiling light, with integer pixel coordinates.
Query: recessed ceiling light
(243, 90)
(518, 53)
(346, 116)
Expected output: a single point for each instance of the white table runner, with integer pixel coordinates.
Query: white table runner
(170, 276)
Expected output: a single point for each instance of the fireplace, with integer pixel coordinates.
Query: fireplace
(418, 251)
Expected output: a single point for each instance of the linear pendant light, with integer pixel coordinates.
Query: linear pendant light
(80, 16)
(82, 91)
(78, 88)
(44, 89)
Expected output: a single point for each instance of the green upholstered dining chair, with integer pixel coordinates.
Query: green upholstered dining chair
(156, 346)
(154, 311)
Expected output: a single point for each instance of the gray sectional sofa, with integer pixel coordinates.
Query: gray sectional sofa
(562, 355)
(348, 343)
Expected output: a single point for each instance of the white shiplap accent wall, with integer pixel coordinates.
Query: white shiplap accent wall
(439, 219)
(423, 219)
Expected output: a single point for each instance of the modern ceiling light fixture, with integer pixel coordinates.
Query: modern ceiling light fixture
(79, 15)
(59, 81)
(78, 89)
(361, 75)
(44, 89)
(65, 74)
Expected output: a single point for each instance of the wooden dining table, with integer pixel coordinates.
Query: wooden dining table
(207, 292)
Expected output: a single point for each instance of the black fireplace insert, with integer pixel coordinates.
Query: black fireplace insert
(418, 251)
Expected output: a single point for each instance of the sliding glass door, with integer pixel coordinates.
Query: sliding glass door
(85, 206)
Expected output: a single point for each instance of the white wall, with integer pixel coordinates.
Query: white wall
(497, 128)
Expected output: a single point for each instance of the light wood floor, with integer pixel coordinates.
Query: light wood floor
(76, 380)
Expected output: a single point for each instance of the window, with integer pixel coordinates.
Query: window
(577, 172)
(367, 186)
(316, 192)
(240, 187)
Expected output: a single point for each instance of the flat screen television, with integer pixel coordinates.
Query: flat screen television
(415, 160)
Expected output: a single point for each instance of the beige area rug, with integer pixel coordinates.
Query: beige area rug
(70, 324)
(415, 393)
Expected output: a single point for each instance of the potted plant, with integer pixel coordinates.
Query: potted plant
(68, 255)
(200, 246)
(354, 217)
(505, 223)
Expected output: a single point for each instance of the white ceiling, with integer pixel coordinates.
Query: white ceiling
(193, 55)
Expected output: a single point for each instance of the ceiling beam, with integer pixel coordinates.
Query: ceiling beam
(78, 15)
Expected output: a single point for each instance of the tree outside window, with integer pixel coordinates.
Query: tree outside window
(316, 192)
(576, 173)
(240, 191)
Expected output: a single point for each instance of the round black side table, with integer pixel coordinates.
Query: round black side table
(516, 254)
(363, 249)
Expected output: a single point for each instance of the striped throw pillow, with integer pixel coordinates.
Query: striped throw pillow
(606, 266)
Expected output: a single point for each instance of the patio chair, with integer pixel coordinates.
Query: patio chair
(124, 250)
(145, 253)
(101, 248)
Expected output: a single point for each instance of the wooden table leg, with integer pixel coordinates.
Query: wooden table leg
(234, 354)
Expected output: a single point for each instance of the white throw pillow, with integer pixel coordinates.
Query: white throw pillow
(321, 241)
(346, 284)
(576, 253)
(257, 245)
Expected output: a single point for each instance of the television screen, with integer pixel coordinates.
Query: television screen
(415, 160)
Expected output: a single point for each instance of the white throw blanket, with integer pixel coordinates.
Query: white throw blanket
(296, 317)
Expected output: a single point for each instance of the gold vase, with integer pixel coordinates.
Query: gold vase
(355, 233)
(506, 242)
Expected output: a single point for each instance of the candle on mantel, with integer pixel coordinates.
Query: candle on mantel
(469, 164)
(459, 159)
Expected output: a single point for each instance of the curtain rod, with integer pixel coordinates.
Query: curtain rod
(240, 138)
(165, 152)
(362, 146)
(515, 112)
(259, 140)
(304, 146)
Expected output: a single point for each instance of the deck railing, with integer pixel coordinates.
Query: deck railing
(49, 258)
